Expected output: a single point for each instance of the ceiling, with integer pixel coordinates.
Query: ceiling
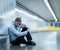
(55, 4)
(38, 8)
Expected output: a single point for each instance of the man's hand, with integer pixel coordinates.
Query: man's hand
(28, 30)
(23, 24)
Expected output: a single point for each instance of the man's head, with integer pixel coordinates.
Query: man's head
(17, 21)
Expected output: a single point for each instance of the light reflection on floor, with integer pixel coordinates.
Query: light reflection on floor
(45, 41)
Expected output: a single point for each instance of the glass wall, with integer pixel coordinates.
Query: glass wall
(6, 5)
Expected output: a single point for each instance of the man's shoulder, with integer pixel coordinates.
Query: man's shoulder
(11, 25)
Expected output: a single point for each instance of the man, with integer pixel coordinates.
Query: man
(17, 31)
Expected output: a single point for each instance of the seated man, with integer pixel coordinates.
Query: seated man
(17, 31)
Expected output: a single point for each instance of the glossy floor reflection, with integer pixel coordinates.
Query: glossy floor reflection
(44, 40)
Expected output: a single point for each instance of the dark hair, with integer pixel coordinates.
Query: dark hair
(18, 19)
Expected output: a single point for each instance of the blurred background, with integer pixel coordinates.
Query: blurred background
(41, 16)
(36, 14)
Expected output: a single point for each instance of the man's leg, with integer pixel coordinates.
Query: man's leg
(19, 40)
(28, 36)
(29, 39)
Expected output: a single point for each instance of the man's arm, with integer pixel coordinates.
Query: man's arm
(13, 30)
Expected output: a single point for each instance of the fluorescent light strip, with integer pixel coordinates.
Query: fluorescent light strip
(50, 9)
(34, 17)
(21, 11)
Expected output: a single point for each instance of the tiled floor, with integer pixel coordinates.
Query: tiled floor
(46, 40)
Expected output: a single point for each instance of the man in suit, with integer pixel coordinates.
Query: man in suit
(17, 31)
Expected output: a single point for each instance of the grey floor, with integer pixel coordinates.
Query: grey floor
(45, 40)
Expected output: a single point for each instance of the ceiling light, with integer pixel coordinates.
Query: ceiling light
(50, 9)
